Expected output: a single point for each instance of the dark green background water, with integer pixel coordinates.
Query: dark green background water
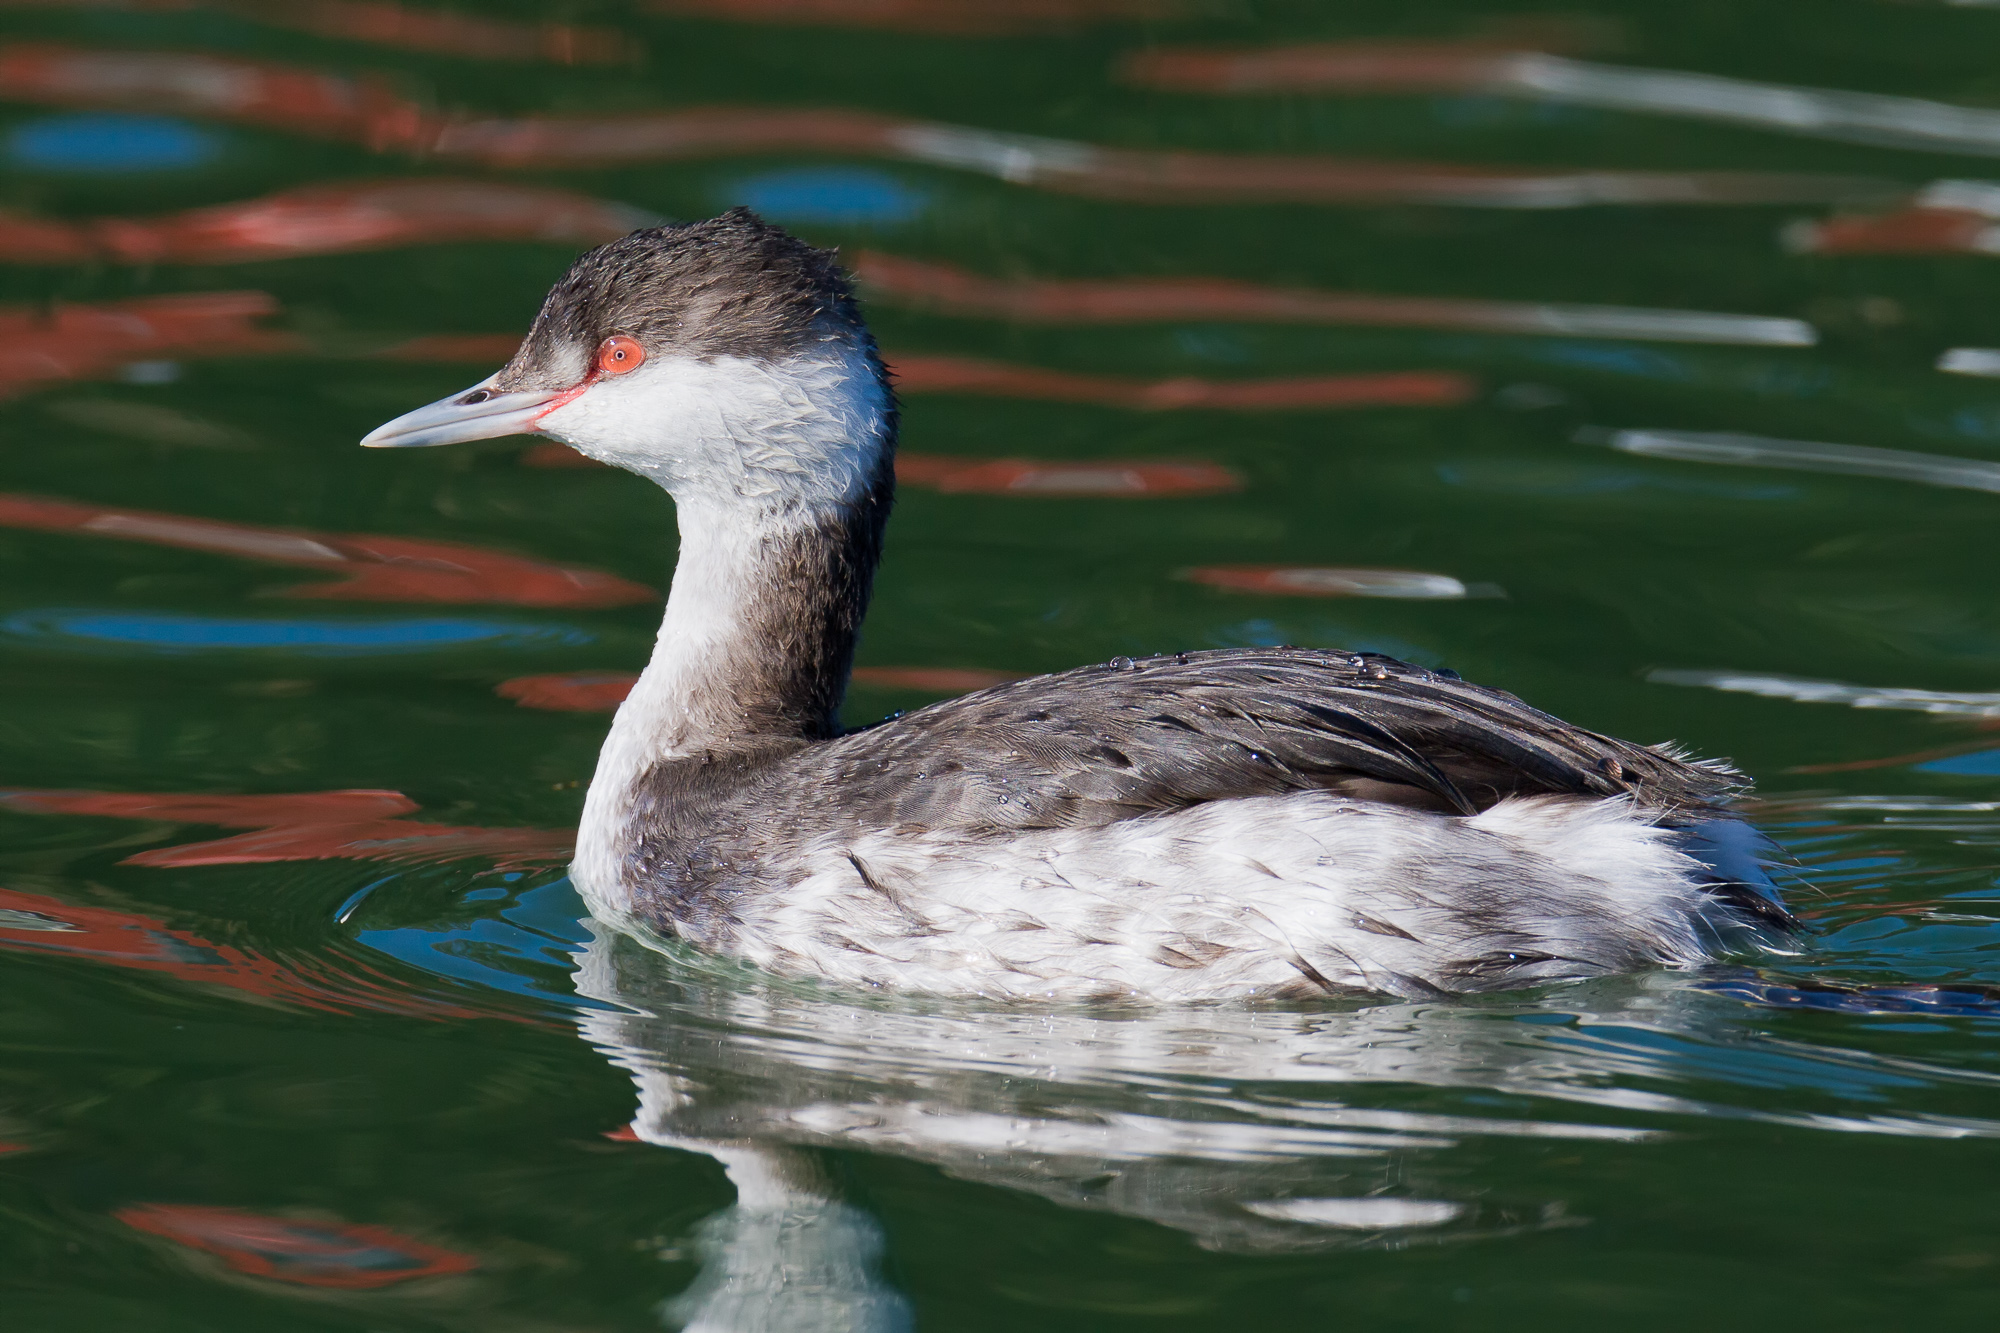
(396, 1044)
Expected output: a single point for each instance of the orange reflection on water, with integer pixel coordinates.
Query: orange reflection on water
(1913, 231)
(362, 825)
(35, 923)
(305, 1253)
(436, 31)
(373, 567)
(326, 219)
(398, 841)
(957, 374)
(570, 691)
(1945, 217)
(229, 810)
(1357, 67)
(66, 341)
(1419, 67)
(951, 290)
(279, 97)
(1026, 476)
(665, 136)
(958, 18)
(445, 32)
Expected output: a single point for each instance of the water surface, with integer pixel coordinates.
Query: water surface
(1595, 355)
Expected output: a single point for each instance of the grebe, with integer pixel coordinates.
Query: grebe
(1272, 822)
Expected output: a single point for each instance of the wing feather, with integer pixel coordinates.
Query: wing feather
(1097, 744)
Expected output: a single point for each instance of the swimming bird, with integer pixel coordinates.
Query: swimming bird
(1261, 822)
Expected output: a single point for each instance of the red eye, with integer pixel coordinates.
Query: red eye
(618, 354)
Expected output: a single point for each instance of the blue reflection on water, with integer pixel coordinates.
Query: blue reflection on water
(110, 143)
(1213, 344)
(526, 948)
(1958, 1000)
(1484, 110)
(1980, 764)
(167, 632)
(1689, 1055)
(1616, 358)
(829, 194)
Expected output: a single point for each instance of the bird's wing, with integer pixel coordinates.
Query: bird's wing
(1103, 743)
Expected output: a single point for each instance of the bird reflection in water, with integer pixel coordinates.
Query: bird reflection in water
(1133, 1113)
(1250, 1129)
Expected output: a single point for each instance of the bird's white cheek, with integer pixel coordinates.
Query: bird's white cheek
(735, 430)
(615, 423)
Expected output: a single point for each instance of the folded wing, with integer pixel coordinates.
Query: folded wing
(1098, 744)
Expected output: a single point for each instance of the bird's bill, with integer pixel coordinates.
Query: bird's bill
(477, 413)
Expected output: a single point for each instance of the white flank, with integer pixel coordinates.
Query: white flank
(1229, 899)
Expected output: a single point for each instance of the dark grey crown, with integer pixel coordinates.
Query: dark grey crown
(731, 286)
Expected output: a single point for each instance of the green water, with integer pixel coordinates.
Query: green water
(218, 1066)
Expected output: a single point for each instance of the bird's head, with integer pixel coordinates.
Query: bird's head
(724, 359)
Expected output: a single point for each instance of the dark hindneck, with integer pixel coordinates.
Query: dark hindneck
(758, 638)
(799, 627)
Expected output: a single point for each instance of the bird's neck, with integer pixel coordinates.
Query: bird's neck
(758, 638)
(753, 655)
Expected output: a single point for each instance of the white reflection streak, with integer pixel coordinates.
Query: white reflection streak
(1910, 1127)
(1983, 361)
(1370, 583)
(1963, 196)
(1019, 158)
(1416, 1122)
(1359, 1214)
(1825, 113)
(1970, 474)
(1683, 326)
(1893, 805)
(924, 1130)
(1026, 159)
(1807, 691)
